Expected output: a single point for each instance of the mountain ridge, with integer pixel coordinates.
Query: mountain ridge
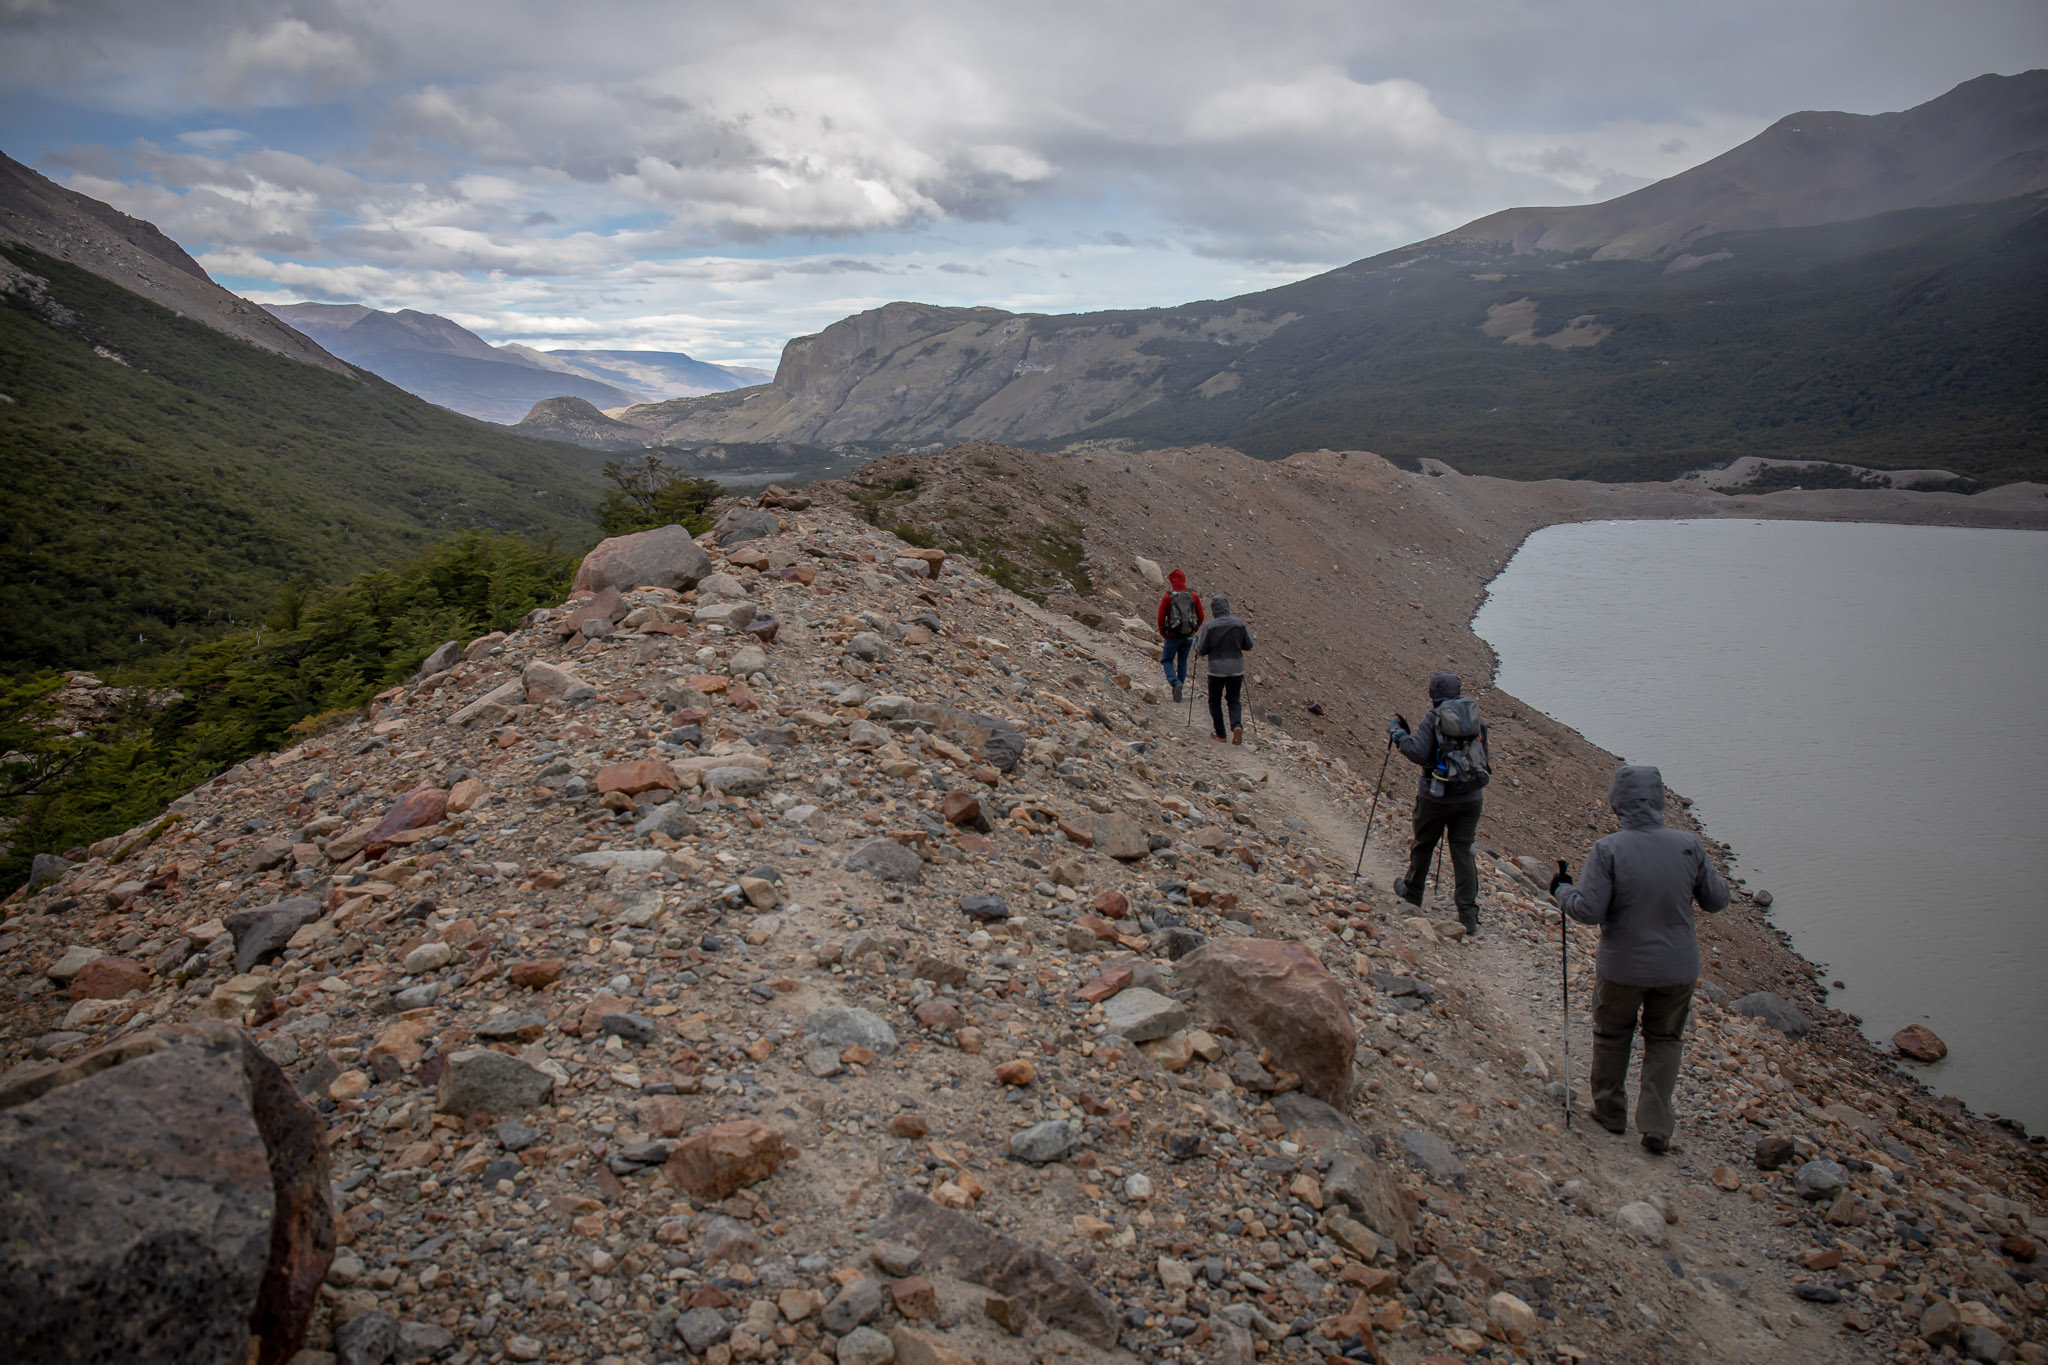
(1403, 352)
(440, 360)
(38, 213)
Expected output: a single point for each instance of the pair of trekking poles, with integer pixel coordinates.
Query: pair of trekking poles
(1564, 969)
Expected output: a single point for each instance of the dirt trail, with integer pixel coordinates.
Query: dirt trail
(1708, 1291)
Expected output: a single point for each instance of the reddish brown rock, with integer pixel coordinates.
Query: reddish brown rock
(643, 775)
(464, 795)
(1278, 995)
(534, 974)
(1018, 1072)
(1111, 905)
(713, 1162)
(108, 978)
(960, 807)
(915, 1297)
(1920, 1043)
(418, 808)
(1106, 984)
(939, 1012)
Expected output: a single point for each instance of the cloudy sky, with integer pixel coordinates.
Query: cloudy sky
(719, 177)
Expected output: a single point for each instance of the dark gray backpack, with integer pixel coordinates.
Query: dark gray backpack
(1180, 613)
(1461, 764)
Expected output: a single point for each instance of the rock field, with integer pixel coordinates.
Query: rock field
(833, 956)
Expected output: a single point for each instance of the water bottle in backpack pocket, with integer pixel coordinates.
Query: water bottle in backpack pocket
(1460, 765)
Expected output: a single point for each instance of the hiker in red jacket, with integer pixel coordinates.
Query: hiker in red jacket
(1180, 616)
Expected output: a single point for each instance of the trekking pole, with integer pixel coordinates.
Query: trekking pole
(1190, 687)
(1564, 973)
(1440, 868)
(1360, 869)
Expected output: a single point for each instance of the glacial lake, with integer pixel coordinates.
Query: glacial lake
(1861, 711)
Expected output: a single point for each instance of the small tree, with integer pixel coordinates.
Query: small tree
(649, 493)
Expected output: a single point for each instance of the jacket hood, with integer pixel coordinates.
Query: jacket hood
(1219, 604)
(1444, 686)
(1178, 579)
(1637, 796)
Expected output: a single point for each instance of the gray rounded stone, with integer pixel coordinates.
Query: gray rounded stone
(1820, 1179)
(843, 1026)
(1775, 1010)
(886, 859)
(1048, 1141)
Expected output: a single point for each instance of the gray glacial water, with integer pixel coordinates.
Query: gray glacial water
(1861, 711)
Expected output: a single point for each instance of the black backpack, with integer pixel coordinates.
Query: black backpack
(1180, 613)
(1460, 764)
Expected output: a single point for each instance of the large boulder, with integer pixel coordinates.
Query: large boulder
(665, 557)
(1277, 995)
(886, 859)
(265, 931)
(745, 523)
(1775, 1010)
(963, 1247)
(167, 1199)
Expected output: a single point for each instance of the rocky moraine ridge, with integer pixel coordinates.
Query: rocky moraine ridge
(797, 948)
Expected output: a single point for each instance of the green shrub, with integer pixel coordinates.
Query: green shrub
(323, 654)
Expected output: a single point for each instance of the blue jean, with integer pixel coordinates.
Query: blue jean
(1174, 659)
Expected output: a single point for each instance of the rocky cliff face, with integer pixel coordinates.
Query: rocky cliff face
(134, 255)
(828, 955)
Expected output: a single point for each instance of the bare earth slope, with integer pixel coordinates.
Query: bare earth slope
(772, 920)
(134, 255)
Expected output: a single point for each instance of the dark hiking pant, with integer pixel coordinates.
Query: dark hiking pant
(1432, 820)
(1173, 657)
(1663, 1011)
(1219, 689)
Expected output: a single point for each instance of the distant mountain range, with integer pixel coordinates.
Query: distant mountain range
(445, 363)
(175, 456)
(1841, 286)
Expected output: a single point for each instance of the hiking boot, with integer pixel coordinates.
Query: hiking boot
(1176, 691)
(1401, 889)
(1221, 739)
(1470, 919)
(1237, 734)
(1655, 1145)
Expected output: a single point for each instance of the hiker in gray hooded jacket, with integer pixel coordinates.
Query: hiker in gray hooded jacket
(1443, 809)
(1222, 640)
(1640, 885)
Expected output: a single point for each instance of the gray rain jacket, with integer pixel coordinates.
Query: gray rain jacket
(1420, 746)
(1640, 884)
(1224, 639)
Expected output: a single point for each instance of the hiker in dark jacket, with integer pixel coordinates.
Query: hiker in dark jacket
(1441, 807)
(1640, 885)
(1223, 641)
(1180, 616)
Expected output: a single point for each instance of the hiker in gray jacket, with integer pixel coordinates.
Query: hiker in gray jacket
(1222, 640)
(1449, 797)
(1640, 885)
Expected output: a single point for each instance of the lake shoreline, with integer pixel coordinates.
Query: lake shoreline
(2025, 507)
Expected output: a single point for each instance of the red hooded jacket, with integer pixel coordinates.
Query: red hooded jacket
(1179, 581)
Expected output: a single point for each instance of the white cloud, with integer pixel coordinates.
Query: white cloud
(288, 62)
(729, 174)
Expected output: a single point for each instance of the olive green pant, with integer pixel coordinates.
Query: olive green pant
(1662, 1011)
